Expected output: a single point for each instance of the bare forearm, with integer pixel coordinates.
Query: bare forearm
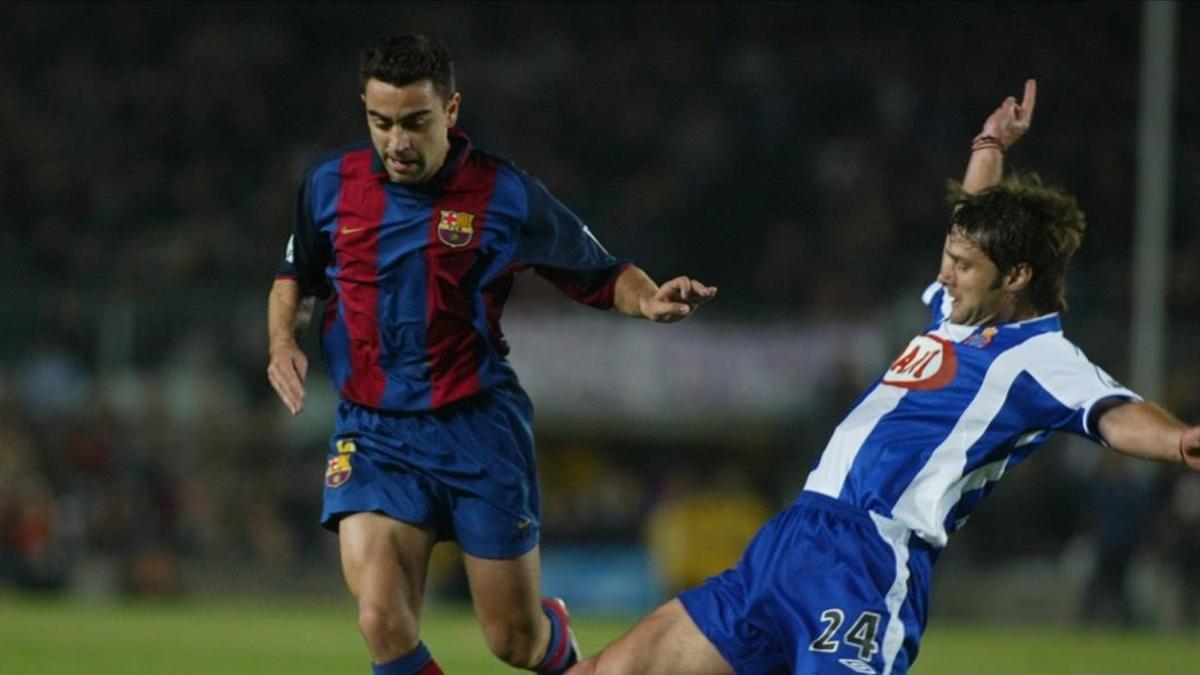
(1143, 430)
(288, 313)
(984, 170)
(632, 287)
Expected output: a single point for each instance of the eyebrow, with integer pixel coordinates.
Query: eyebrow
(410, 116)
(955, 257)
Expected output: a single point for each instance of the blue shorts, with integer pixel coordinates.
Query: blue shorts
(467, 470)
(824, 587)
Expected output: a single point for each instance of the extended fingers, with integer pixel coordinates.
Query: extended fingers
(1029, 99)
(680, 287)
(701, 293)
(665, 311)
(677, 299)
(687, 289)
(1189, 448)
(286, 376)
(1190, 440)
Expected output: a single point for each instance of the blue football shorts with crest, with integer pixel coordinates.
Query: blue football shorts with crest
(468, 470)
(824, 587)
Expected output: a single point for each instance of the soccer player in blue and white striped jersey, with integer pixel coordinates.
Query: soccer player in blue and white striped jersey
(839, 582)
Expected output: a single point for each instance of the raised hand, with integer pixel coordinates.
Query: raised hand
(1011, 120)
(676, 300)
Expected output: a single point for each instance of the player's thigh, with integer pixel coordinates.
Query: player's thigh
(505, 591)
(667, 642)
(385, 560)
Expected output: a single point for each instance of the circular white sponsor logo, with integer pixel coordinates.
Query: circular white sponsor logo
(928, 362)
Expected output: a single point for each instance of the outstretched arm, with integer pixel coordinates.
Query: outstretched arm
(288, 314)
(637, 295)
(1147, 431)
(1001, 130)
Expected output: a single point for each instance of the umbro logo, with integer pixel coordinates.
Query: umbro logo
(858, 666)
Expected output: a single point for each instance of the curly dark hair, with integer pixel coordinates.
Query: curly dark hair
(405, 59)
(1020, 220)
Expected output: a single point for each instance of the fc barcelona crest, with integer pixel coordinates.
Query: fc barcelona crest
(337, 472)
(455, 228)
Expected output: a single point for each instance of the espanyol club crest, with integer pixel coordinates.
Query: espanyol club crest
(455, 228)
(928, 362)
(983, 339)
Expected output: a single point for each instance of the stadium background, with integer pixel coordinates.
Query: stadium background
(792, 154)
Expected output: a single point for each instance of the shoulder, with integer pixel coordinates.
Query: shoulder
(504, 169)
(1049, 352)
(338, 162)
(1062, 369)
(510, 185)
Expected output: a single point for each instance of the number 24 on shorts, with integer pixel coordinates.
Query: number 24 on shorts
(860, 634)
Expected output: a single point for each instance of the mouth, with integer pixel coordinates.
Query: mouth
(403, 166)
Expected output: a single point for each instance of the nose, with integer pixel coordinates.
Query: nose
(398, 141)
(946, 275)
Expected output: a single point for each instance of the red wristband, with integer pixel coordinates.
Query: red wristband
(983, 142)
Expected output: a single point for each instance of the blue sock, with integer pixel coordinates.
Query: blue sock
(412, 664)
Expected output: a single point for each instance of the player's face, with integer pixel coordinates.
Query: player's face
(973, 280)
(408, 128)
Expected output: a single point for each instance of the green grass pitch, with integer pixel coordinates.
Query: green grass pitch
(55, 637)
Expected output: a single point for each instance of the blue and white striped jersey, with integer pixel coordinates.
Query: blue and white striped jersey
(956, 409)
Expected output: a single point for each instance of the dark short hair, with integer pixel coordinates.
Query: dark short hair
(405, 59)
(1020, 220)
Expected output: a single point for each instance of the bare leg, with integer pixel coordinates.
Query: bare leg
(508, 603)
(385, 562)
(665, 643)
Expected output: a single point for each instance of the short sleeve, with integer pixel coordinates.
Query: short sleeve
(561, 248)
(1078, 386)
(308, 250)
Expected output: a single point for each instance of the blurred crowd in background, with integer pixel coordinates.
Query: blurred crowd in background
(793, 154)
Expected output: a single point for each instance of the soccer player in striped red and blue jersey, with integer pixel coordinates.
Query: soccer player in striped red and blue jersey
(839, 581)
(414, 237)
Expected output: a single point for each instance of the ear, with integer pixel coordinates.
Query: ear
(452, 109)
(1018, 278)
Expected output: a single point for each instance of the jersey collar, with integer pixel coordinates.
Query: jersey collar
(1046, 323)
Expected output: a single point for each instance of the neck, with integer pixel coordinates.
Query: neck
(1018, 308)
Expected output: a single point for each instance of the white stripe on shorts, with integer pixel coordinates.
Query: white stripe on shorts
(896, 535)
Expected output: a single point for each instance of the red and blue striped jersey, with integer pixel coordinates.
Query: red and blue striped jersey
(416, 276)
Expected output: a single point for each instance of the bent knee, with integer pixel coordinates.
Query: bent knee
(382, 624)
(514, 641)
